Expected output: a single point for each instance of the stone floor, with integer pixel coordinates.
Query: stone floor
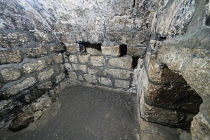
(87, 113)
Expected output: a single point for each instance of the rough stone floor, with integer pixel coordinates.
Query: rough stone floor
(87, 113)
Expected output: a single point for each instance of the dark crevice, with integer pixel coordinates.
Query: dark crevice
(123, 50)
(207, 22)
(84, 45)
(135, 62)
(134, 3)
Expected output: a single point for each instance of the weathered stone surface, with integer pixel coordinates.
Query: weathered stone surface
(72, 48)
(45, 74)
(111, 50)
(60, 77)
(10, 74)
(72, 75)
(97, 60)
(36, 52)
(15, 89)
(21, 121)
(122, 74)
(90, 78)
(121, 62)
(45, 85)
(13, 56)
(73, 59)
(93, 51)
(58, 48)
(34, 66)
(58, 58)
(42, 103)
(105, 81)
(37, 115)
(84, 58)
(122, 84)
(138, 50)
(93, 71)
(79, 67)
(6, 106)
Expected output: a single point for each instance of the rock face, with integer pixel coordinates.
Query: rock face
(100, 43)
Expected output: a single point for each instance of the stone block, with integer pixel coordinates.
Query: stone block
(60, 77)
(42, 103)
(36, 52)
(90, 78)
(46, 85)
(58, 48)
(105, 81)
(137, 51)
(111, 50)
(80, 78)
(79, 67)
(72, 48)
(10, 74)
(15, 89)
(21, 121)
(122, 74)
(93, 51)
(45, 74)
(34, 66)
(97, 60)
(72, 75)
(122, 84)
(58, 58)
(6, 106)
(73, 59)
(93, 71)
(13, 56)
(121, 62)
(84, 58)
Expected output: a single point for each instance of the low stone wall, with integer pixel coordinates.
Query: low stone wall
(104, 66)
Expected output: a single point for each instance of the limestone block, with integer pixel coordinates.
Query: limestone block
(84, 58)
(42, 103)
(73, 59)
(13, 56)
(45, 74)
(79, 67)
(72, 75)
(138, 50)
(58, 48)
(36, 52)
(90, 78)
(58, 58)
(121, 62)
(72, 48)
(93, 51)
(6, 106)
(97, 60)
(122, 84)
(93, 71)
(15, 89)
(60, 77)
(10, 74)
(105, 81)
(122, 74)
(111, 50)
(80, 78)
(34, 66)
(46, 85)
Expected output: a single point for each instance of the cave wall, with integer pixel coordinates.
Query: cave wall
(44, 42)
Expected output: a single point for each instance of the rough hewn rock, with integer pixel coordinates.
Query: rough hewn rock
(60, 77)
(93, 51)
(10, 74)
(97, 60)
(105, 81)
(6, 106)
(111, 50)
(36, 52)
(72, 75)
(122, 84)
(46, 85)
(84, 58)
(90, 78)
(42, 103)
(21, 121)
(58, 58)
(72, 48)
(45, 74)
(34, 66)
(122, 74)
(13, 56)
(121, 62)
(93, 71)
(73, 59)
(15, 89)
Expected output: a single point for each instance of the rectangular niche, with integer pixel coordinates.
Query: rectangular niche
(93, 49)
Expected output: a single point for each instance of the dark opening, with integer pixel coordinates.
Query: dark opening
(161, 38)
(123, 50)
(135, 62)
(84, 45)
(207, 22)
(134, 3)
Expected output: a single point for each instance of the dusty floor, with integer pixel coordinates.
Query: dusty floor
(84, 113)
(87, 113)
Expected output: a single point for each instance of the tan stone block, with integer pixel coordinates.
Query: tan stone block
(93, 51)
(84, 58)
(72, 48)
(97, 60)
(34, 66)
(58, 58)
(121, 62)
(90, 78)
(10, 74)
(12, 56)
(105, 81)
(111, 50)
(73, 59)
(122, 84)
(122, 74)
(45, 74)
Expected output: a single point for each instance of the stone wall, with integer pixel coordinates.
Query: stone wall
(99, 65)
